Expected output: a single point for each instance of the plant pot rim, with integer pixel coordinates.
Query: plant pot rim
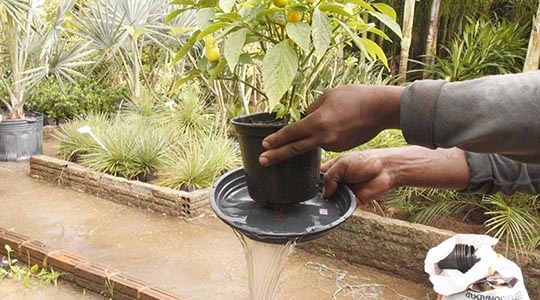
(29, 116)
(258, 119)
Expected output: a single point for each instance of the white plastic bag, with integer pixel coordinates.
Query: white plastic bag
(502, 277)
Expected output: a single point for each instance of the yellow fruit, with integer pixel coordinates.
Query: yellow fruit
(212, 54)
(209, 42)
(280, 3)
(294, 16)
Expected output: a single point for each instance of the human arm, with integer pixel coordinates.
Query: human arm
(492, 173)
(339, 119)
(371, 173)
(495, 114)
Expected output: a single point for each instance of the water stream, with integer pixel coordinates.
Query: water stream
(265, 263)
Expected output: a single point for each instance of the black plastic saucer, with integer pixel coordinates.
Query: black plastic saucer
(298, 222)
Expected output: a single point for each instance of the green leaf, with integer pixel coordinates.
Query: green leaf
(321, 32)
(386, 9)
(362, 4)
(388, 21)
(233, 47)
(217, 70)
(187, 46)
(173, 15)
(300, 33)
(336, 8)
(226, 5)
(379, 32)
(204, 17)
(375, 51)
(207, 3)
(211, 29)
(182, 2)
(279, 68)
(34, 268)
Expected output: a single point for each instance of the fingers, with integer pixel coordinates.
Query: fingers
(284, 152)
(293, 139)
(364, 177)
(290, 133)
(332, 178)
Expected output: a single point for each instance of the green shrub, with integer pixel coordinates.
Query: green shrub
(485, 47)
(69, 100)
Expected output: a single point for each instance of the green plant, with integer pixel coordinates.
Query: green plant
(289, 54)
(197, 162)
(28, 275)
(34, 49)
(72, 144)
(188, 113)
(132, 37)
(130, 148)
(483, 48)
(513, 219)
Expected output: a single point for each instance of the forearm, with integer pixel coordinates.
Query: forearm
(421, 167)
(496, 114)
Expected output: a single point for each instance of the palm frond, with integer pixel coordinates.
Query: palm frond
(511, 222)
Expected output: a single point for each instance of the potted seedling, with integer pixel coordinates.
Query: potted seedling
(290, 42)
(34, 48)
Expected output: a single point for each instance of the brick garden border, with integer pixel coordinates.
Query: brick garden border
(103, 280)
(387, 244)
(129, 192)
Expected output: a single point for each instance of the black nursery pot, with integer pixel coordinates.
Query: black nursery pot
(291, 181)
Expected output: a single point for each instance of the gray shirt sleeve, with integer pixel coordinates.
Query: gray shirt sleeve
(492, 173)
(495, 114)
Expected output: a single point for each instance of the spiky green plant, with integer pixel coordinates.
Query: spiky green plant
(71, 143)
(196, 163)
(189, 112)
(131, 149)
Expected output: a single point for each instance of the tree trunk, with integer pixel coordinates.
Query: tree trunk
(408, 16)
(431, 41)
(533, 51)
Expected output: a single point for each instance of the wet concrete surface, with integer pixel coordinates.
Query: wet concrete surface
(200, 258)
(11, 289)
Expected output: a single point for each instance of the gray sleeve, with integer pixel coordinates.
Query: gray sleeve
(492, 173)
(495, 114)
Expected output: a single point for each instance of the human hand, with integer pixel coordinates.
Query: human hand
(363, 172)
(372, 173)
(339, 119)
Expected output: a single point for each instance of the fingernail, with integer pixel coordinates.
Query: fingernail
(263, 161)
(265, 144)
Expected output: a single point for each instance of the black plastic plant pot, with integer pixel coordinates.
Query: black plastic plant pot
(290, 181)
(300, 222)
(462, 258)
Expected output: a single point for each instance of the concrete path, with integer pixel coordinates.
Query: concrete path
(199, 259)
